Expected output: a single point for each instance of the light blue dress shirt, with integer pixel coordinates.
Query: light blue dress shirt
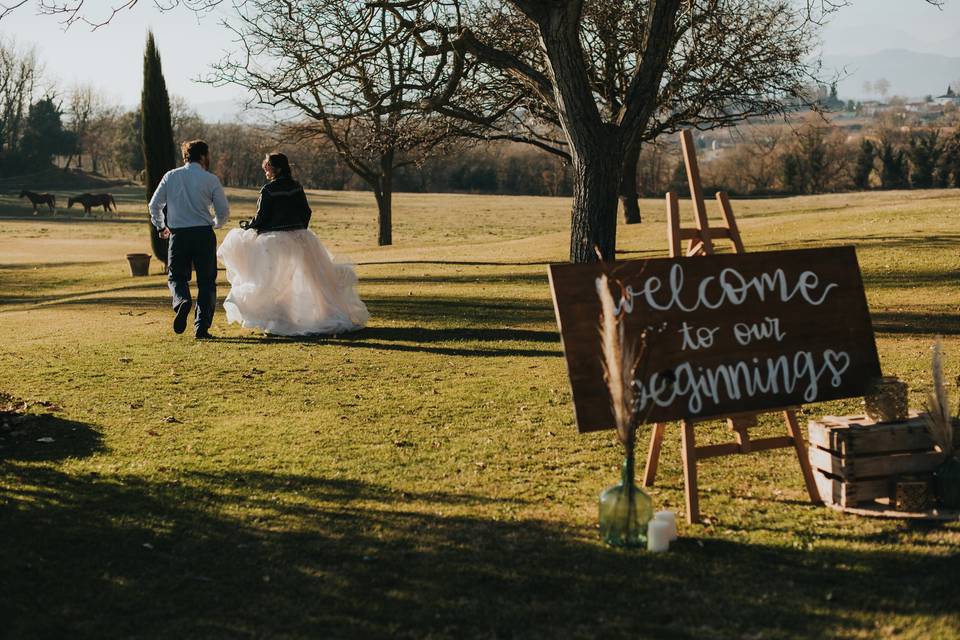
(188, 192)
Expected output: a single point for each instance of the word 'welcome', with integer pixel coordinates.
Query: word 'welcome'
(729, 287)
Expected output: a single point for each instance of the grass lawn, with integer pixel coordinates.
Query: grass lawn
(423, 477)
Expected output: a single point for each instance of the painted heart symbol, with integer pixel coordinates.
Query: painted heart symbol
(837, 362)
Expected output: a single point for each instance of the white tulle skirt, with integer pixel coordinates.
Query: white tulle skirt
(286, 283)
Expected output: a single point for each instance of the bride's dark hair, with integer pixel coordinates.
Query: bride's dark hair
(280, 164)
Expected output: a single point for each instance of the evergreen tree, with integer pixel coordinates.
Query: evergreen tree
(678, 180)
(924, 152)
(865, 159)
(813, 162)
(948, 167)
(893, 167)
(44, 135)
(159, 152)
(793, 180)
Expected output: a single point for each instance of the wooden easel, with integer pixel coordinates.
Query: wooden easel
(700, 242)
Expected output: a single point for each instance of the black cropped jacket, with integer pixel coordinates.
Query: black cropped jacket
(282, 206)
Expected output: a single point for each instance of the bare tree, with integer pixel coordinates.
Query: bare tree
(19, 76)
(99, 138)
(85, 105)
(341, 71)
(238, 152)
(613, 75)
(882, 87)
(70, 12)
(754, 164)
(186, 122)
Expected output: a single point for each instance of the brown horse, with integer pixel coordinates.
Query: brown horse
(90, 200)
(40, 198)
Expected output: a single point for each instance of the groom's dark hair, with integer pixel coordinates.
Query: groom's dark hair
(193, 150)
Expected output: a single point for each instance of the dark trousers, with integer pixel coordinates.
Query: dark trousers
(194, 248)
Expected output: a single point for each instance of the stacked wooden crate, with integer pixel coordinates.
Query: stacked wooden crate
(857, 461)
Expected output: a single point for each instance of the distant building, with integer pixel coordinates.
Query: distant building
(950, 97)
(871, 108)
(929, 108)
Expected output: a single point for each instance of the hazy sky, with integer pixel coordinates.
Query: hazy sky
(868, 26)
(111, 57)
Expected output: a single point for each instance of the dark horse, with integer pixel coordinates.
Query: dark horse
(90, 200)
(40, 198)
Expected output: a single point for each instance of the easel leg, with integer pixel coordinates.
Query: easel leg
(689, 451)
(653, 455)
(673, 224)
(801, 448)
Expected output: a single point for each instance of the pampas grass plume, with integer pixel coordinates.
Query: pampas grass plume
(938, 418)
(620, 358)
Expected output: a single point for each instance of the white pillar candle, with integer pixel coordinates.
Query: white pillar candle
(658, 536)
(670, 518)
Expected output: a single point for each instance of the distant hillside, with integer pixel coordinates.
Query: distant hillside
(911, 74)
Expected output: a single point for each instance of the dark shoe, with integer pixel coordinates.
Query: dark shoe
(203, 334)
(180, 321)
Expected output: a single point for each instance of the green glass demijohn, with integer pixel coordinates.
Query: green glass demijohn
(948, 483)
(625, 511)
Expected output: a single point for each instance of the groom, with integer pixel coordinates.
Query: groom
(187, 192)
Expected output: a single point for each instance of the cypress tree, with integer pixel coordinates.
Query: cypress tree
(924, 152)
(159, 151)
(894, 173)
(864, 167)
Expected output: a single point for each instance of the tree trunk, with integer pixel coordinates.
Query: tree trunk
(629, 198)
(596, 147)
(384, 217)
(383, 191)
(593, 224)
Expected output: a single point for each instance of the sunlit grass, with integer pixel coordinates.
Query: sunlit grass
(424, 477)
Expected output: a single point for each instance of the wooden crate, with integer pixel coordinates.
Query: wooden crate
(856, 460)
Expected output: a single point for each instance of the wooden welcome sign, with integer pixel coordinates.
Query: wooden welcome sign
(724, 333)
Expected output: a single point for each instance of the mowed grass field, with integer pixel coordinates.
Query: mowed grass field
(424, 477)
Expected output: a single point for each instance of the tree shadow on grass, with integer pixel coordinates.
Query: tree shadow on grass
(425, 340)
(910, 279)
(245, 555)
(464, 338)
(34, 266)
(44, 437)
(915, 323)
(491, 279)
(460, 311)
(464, 263)
(84, 298)
(895, 533)
(928, 242)
(72, 218)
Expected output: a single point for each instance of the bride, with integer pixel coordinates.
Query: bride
(282, 279)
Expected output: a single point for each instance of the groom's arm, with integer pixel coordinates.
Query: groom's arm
(220, 205)
(156, 205)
